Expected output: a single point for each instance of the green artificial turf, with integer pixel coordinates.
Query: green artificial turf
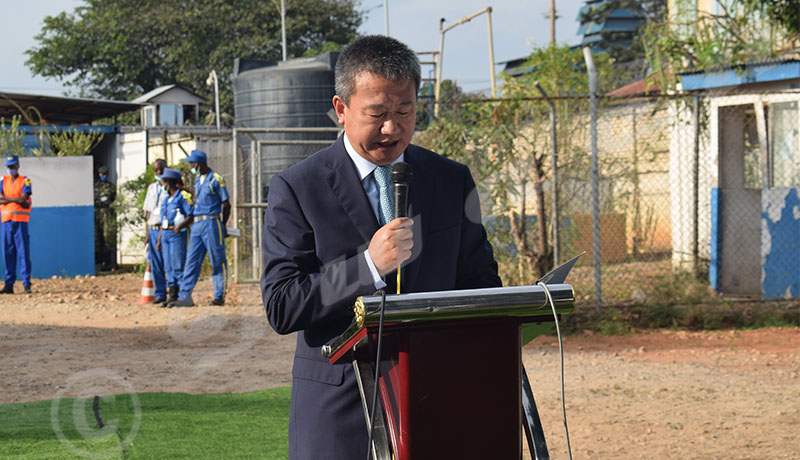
(149, 426)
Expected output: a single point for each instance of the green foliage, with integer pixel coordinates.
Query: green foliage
(507, 146)
(172, 425)
(714, 315)
(11, 137)
(74, 143)
(326, 47)
(783, 12)
(678, 288)
(449, 109)
(624, 48)
(128, 205)
(60, 142)
(690, 41)
(119, 49)
(611, 323)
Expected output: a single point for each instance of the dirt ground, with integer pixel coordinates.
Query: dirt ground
(661, 394)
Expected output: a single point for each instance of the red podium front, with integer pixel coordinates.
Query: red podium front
(450, 369)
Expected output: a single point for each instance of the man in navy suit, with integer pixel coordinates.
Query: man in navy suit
(323, 244)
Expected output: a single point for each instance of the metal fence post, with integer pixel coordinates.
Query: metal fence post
(554, 141)
(696, 190)
(235, 206)
(587, 55)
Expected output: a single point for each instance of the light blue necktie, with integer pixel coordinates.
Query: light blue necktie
(385, 197)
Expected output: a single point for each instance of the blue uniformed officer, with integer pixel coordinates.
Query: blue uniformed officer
(15, 205)
(177, 213)
(211, 213)
(152, 208)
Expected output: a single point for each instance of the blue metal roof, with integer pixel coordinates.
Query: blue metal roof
(758, 72)
(589, 39)
(621, 25)
(625, 13)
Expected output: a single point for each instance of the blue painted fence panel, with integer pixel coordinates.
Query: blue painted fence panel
(780, 243)
(62, 241)
(715, 265)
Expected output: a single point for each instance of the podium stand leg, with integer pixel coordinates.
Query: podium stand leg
(380, 437)
(533, 425)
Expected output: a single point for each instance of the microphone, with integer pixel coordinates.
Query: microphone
(401, 175)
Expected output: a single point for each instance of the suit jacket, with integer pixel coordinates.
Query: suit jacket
(316, 227)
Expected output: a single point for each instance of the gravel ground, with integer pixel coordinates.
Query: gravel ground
(662, 394)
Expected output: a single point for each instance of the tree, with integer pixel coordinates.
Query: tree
(507, 145)
(449, 91)
(741, 31)
(783, 12)
(624, 47)
(119, 49)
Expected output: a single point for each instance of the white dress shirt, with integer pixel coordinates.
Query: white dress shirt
(365, 169)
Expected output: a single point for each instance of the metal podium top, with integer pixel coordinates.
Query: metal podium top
(515, 301)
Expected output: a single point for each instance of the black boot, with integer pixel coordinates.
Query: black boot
(7, 289)
(173, 296)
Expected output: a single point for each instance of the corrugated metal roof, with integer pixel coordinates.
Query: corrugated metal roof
(766, 62)
(755, 72)
(637, 88)
(150, 95)
(63, 110)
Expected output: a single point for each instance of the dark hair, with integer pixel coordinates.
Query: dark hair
(160, 161)
(378, 54)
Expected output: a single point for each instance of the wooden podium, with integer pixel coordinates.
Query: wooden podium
(451, 381)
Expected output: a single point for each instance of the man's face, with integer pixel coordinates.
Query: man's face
(379, 120)
(13, 169)
(158, 168)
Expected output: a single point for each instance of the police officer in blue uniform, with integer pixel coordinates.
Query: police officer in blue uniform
(152, 207)
(211, 213)
(176, 216)
(15, 205)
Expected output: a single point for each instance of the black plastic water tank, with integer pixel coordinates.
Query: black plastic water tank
(293, 94)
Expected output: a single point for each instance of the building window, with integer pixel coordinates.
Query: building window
(170, 115)
(785, 144)
(149, 116)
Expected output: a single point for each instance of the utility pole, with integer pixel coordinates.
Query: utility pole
(386, 16)
(553, 22)
(283, 29)
(282, 11)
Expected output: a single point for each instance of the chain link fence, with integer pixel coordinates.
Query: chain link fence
(691, 187)
(698, 187)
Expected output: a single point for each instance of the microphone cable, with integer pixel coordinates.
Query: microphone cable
(561, 353)
(377, 374)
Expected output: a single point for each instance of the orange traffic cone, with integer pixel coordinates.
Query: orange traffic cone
(148, 288)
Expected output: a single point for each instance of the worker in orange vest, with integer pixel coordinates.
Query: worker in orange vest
(15, 205)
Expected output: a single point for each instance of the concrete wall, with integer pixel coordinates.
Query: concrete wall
(633, 145)
(681, 185)
(62, 217)
(130, 162)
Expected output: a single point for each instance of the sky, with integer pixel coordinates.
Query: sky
(517, 26)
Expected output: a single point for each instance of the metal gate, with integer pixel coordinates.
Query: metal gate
(252, 161)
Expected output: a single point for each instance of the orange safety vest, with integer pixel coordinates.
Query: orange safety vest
(12, 188)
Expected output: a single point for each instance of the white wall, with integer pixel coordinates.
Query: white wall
(130, 163)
